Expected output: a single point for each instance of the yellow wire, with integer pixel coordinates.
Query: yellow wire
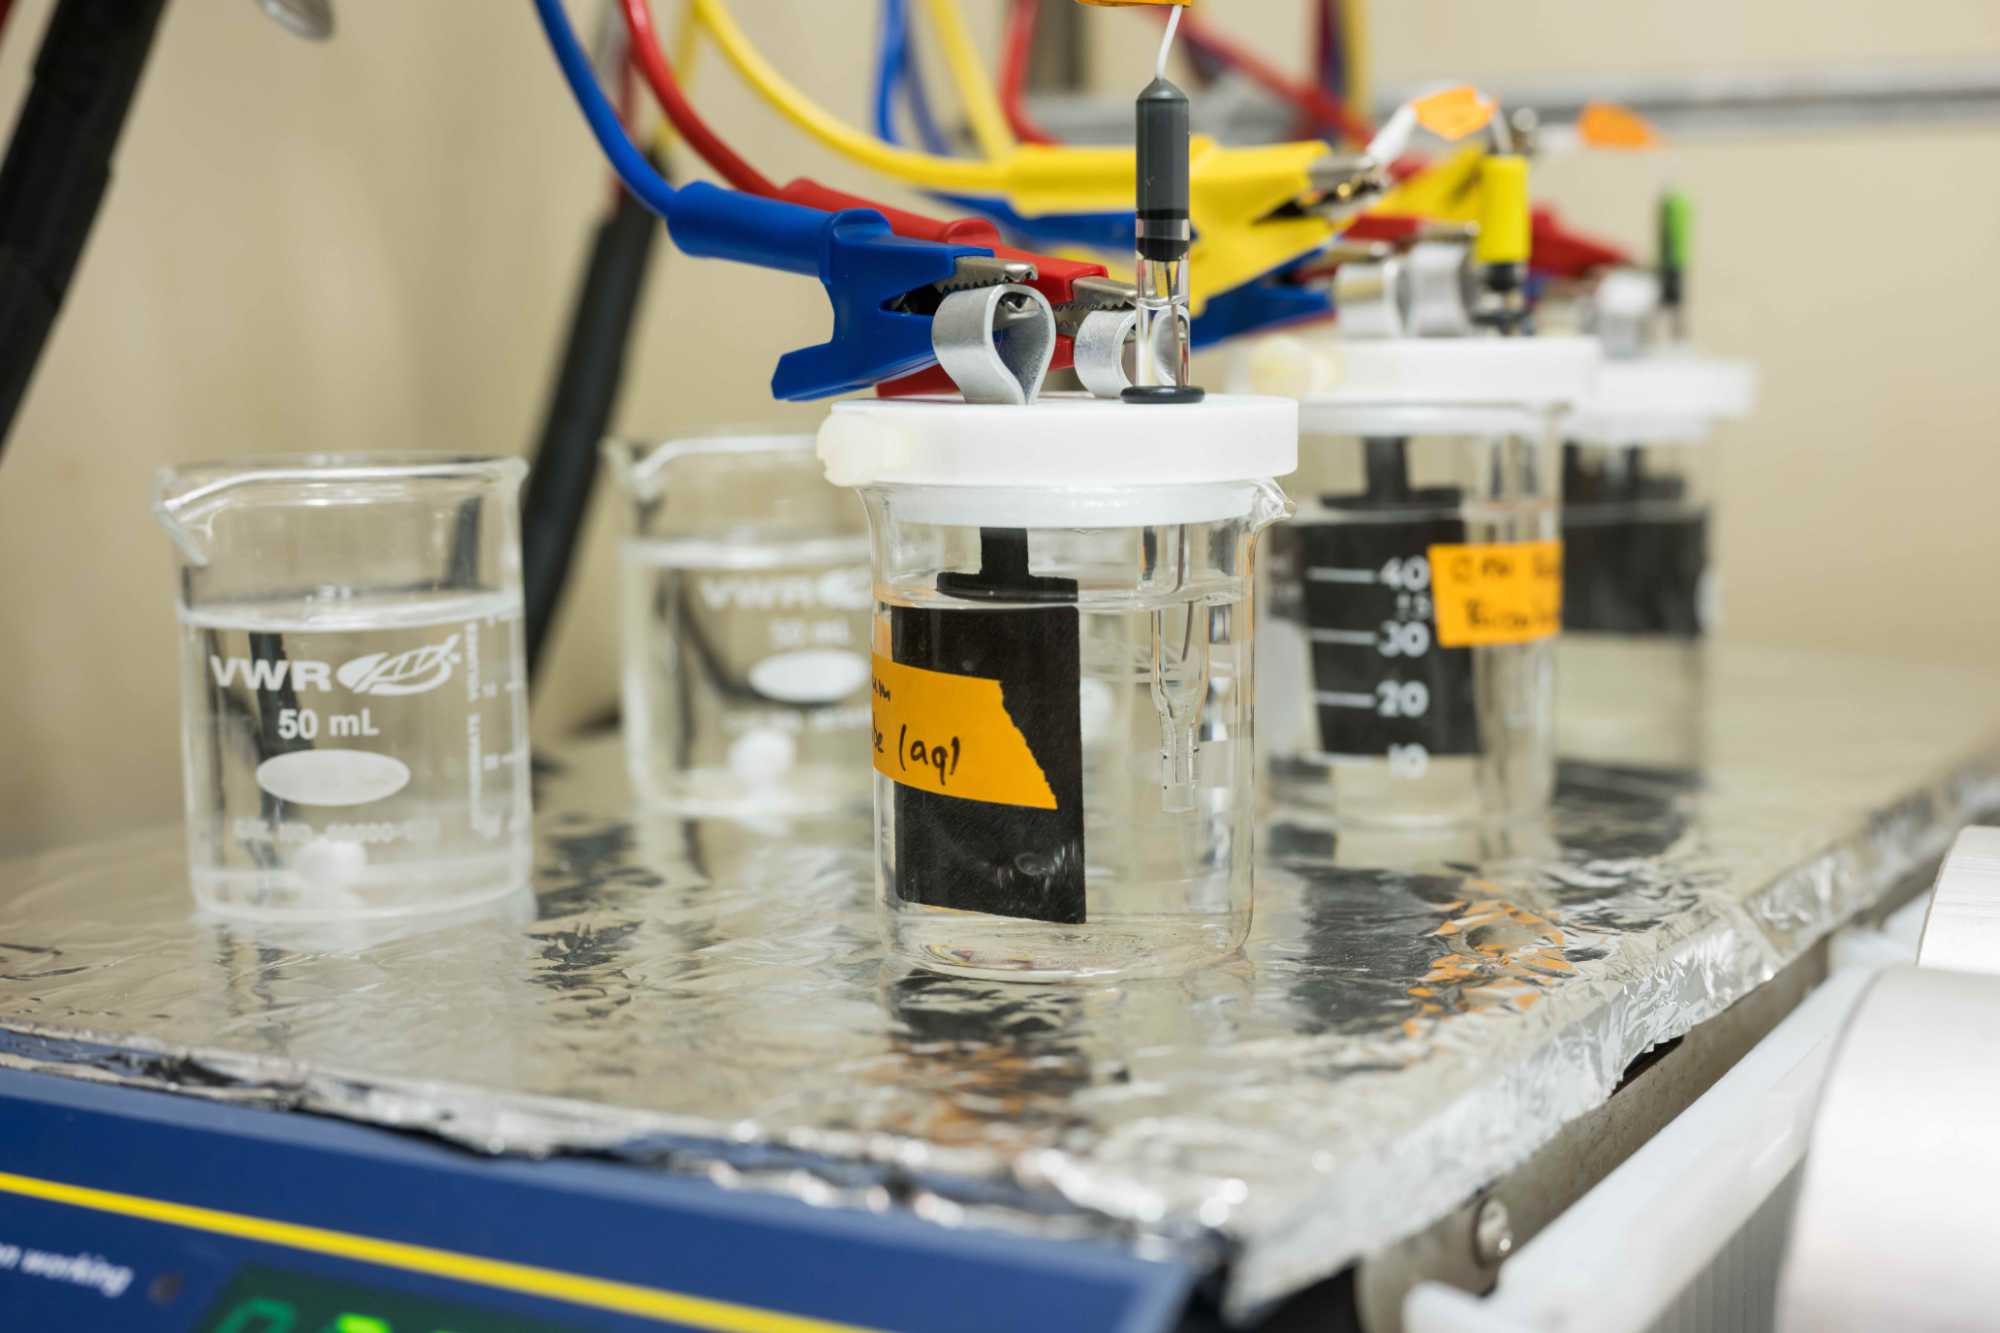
(938, 173)
(968, 71)
(1354, 47)
(687, 44)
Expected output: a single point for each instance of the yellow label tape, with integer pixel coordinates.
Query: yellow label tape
(1454, 112)
(1496, 592)
(952, 735)
(1605, 125)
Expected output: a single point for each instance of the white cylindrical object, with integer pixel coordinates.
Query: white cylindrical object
(1894, 1227)
(1962, 929)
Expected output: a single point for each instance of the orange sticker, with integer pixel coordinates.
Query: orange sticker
(1455, 112)
(952, 735)
(1605, 125)
(1497, 592)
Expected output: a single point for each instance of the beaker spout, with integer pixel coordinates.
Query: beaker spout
(184, 505)
(1270, 506)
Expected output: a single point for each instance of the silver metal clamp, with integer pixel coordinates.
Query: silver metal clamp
(996, 342)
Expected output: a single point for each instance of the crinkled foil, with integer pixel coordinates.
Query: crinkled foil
(1411, 1018)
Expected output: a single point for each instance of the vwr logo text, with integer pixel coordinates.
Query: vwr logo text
(411, 672)
(835, 590)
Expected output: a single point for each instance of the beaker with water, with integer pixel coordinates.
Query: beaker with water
(1416, 597)
(1639, 585)
(745, 618)
(354, 706)
(1062, 675)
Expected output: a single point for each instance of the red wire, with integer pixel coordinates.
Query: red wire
(1321, 106)
(6, 8)
(646, 53)
(1317, 105)
(1015, 50)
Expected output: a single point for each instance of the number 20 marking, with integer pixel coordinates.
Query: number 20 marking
(1402, 698)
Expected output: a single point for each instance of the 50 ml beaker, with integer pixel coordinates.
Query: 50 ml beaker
(745, 588)
(354, 708)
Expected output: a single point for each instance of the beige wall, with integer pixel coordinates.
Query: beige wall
(371, 244)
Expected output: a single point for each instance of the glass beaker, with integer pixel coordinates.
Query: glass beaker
(745, 610)
(1063, 684)
(354, 708)
(1414, 603)
(1640, 594)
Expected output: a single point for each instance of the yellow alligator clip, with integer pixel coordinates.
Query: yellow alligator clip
(1232, 194)
(1472, 186)
(1504, 213)
(1445, 191)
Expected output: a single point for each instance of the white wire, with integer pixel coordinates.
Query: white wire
(1167, 43)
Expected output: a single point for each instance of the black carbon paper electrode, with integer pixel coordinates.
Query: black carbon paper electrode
(980, 856)
(1364, 585)
(1635, 552)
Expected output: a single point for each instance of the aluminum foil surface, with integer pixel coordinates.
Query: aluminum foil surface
(1411, 1018)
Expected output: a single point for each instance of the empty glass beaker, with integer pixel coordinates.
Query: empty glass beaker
(1416, 596)
(1639, 587)
(745, 590)
(1062, 674)
(354, 709)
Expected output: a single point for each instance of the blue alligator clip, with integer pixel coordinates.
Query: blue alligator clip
(1256, 306)
(861, 263)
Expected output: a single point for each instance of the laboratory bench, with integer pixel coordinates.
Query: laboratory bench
(679, 1083)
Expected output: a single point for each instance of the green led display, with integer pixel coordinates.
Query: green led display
(271, 1300)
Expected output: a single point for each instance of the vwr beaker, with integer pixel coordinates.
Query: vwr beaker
(745, 590)
(354, 709)
(1639, 594)
(1062, 675)
(1416, 597)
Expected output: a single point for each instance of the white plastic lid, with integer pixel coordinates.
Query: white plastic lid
(1061, 440)
(1668, 398)
(1331, 375)
(1066, 459)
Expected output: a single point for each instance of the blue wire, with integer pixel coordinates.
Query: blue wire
(917, 101)
(892, 45)
(646, 184)
(896, 70)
